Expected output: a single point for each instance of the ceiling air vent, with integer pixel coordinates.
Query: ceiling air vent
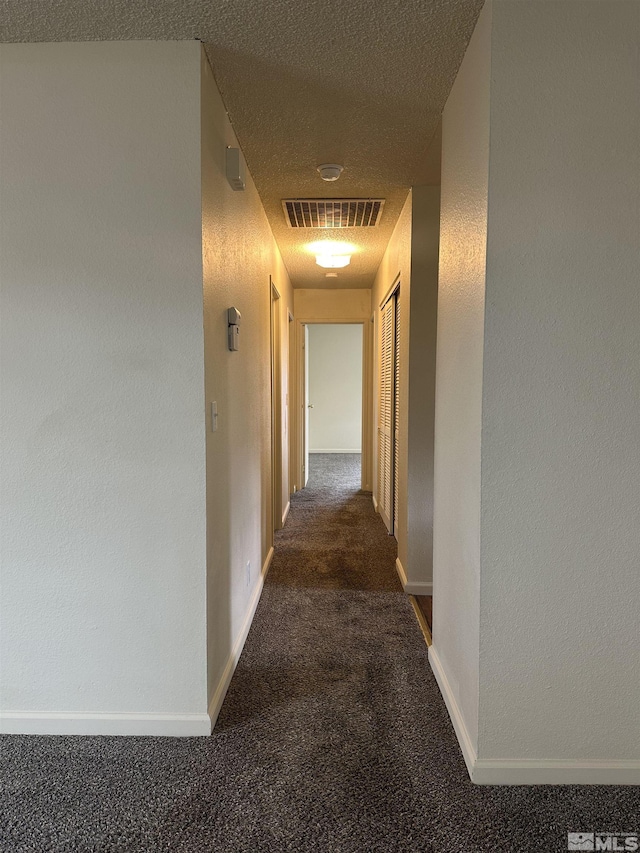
(333, 213)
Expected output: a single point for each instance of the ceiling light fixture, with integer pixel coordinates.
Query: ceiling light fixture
(330, 171)
(333, 261)
(331, 254)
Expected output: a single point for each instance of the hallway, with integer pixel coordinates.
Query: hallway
(333, 736)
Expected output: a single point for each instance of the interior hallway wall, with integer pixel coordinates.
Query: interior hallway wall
(395, 264)
(537, 499)
(240, 255)
(353, 305)
(103, 446)
(561, 425)
(127, 523)
(425, 239)
(412, 258)
(458, 411)
(335, 388)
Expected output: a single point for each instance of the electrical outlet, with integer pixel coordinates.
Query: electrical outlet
(248, 574)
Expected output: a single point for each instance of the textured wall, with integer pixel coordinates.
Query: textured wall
(396, 262)
(548, 558)
(332, 305)
(335, 388)
(456, 525)
(412, 254)
(560, 453)
(425, 236)
(240, 255)
(103, 477)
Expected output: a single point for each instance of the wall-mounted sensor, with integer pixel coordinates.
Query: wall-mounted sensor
(233, 319)
(235, 169)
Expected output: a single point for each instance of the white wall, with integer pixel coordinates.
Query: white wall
(240, 255)
(103, 446)
(456, 531)
(561, 426)
(554, 544)
(126, 522)
(335, 388)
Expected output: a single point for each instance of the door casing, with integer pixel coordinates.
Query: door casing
(299, 408)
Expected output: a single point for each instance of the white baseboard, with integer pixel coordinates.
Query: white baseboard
(337, 450)
(285, 514)
(375, 502)
(526, 771)
(225, 679)
(522, 771)
(413, 587)
(159, 725)
(418, 588)
(459, 725)
(148, 724)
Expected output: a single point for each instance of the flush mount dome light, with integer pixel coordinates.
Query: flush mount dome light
(332, 262)
(331, 254)
(330, 171)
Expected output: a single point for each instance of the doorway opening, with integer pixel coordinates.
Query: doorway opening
(335, 418)
(334, 397)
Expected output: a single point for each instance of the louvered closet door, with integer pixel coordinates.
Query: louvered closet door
(386, 413)
(396, 409)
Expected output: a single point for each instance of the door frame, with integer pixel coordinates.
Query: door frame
(290, 402)
(297, 410)
(276, 409)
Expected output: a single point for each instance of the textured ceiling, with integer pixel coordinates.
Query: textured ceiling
(305, 82)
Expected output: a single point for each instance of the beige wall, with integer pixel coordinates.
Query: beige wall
(240, 256)
(425, 236)
(315, 305)
(396, 264)
(412, 258)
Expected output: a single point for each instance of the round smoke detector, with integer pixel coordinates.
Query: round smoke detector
(330, 171)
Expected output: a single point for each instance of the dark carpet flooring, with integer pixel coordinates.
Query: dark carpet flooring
(333, 736)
